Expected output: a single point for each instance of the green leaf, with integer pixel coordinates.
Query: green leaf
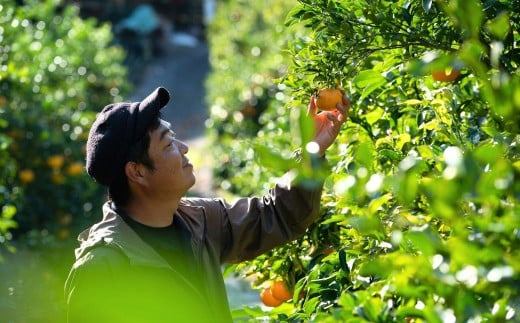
(306, 125)
(311, 304)
(366, 224)
(294, 15)
(425, 239)
(8, 211)
(369, 81)
(390, 154)
(489, 153)
(402, 140)
(270, 159)
(499, 26)
(425, 151)
(364, 154)
(374, 115)
(468, 14)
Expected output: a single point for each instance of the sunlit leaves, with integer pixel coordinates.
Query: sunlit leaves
(421, 205)
(369, 81)
(56, 72)
(467, 14)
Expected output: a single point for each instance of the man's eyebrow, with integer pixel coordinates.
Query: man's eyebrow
(165, 132)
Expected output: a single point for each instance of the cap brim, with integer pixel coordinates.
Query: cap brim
(157, 99)
(147, 110)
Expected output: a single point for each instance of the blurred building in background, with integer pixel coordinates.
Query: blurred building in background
(186, 15)
(144, 28)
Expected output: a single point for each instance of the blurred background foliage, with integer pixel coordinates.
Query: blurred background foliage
(56, 70)
(420, 213)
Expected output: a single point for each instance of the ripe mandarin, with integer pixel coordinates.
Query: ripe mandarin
(266, 296)
(26, 176)
(446, 75)
(280, 291)
(55, 161)
(326, 99)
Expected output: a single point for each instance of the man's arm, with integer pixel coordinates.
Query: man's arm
(252, 226)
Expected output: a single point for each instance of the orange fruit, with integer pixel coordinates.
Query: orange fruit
(75, 168)
(266, 296)
(446, 75)
(55, 161)
(326, 99)
(280, 291)
(26, 176)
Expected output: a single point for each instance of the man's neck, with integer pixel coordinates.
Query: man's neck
(153, 214)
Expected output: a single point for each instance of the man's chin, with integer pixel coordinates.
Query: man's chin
(194, 181)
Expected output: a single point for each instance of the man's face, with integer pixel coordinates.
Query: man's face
(173, 174)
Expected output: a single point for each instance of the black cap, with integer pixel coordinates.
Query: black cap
(116, 128)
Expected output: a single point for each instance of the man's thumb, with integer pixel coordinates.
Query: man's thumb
(312, 106)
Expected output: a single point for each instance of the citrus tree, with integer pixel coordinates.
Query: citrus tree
(420, 215)
(56, 71)
(247, 41)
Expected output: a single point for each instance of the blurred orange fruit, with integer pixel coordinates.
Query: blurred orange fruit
(55, 161)
(26, 176)
(446, 75)
(326, 99)
(75, 169)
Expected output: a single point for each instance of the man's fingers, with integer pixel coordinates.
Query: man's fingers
(332, 117)
(346, 101)
(341, 108)
(312, 106)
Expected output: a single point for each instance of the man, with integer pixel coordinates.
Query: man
(156, 256)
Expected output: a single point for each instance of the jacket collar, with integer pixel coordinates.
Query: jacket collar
(113, 231)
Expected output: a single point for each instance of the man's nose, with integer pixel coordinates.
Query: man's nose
(183, 147)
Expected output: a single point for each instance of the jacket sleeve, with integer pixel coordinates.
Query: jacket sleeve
(252, 226)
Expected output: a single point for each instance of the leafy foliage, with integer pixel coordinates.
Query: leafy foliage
(421, 208)
(55, 72)
(247, 40)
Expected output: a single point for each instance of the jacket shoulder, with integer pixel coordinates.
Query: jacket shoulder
(202, 212)
(103, 258)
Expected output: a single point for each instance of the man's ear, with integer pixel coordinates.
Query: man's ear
(135, 173)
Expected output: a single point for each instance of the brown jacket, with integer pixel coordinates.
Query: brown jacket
(117, 277)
